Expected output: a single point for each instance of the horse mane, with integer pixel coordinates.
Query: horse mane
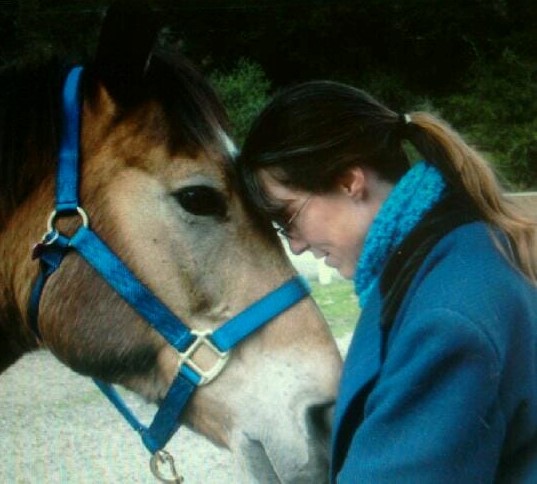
(30, 116)
(29, 128)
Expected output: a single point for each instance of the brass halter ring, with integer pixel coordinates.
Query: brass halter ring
(50, 236)
(54, 215)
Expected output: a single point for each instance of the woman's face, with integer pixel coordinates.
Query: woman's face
(331, 225)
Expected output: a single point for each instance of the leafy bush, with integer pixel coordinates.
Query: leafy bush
(497, 113)
(244, 91)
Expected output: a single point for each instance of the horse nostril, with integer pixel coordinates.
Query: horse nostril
(319, 418)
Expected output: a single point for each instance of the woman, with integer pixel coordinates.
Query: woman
(440, 381)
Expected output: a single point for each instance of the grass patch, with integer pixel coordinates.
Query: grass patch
(339, 304)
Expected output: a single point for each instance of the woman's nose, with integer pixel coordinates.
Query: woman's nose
(297, 245)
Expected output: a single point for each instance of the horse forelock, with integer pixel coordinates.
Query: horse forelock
(195, 116)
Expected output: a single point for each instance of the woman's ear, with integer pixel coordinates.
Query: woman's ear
(352, 182)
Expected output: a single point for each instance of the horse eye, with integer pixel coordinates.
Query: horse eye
(201, 200)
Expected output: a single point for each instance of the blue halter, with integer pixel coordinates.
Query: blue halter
(96, 253)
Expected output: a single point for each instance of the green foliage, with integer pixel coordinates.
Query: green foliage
(389, 88)
(244, 91)
(497, 112)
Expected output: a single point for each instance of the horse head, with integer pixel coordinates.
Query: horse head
(158, 184)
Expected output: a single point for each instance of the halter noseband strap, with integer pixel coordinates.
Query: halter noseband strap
(53, 247)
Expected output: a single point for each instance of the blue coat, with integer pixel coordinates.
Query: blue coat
(449, 393)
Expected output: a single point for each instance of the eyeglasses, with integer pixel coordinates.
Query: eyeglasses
(285, 229)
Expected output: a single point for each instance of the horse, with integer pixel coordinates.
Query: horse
(157, 184)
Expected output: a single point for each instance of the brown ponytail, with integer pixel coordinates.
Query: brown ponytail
(470, 174)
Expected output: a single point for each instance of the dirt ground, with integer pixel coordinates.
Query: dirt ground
(57, 428)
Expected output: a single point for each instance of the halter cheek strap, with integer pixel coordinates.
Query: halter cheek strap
(55, 245)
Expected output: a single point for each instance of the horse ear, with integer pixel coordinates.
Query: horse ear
(126, 41)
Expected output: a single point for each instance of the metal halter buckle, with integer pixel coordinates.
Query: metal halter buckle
(203, 338)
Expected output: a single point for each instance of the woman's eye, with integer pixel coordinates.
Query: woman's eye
(201, 200)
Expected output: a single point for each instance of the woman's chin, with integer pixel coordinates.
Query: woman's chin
(346, 274)
(344, 271)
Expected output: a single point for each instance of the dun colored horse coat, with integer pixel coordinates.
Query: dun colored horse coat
(158, 185)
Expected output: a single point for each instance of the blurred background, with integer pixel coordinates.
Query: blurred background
(474, 62)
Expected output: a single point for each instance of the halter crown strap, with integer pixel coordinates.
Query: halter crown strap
(106, 263)
(67, 176)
